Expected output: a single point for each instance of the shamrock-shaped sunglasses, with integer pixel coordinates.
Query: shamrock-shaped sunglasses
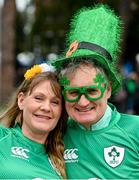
(92, 93)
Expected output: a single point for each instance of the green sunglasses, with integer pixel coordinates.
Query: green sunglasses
(92, 93)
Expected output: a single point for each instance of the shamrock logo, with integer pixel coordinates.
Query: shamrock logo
(114, 153)
(64, 81)
(99, 78)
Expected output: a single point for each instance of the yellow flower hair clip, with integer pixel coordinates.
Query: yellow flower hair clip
(36, 69)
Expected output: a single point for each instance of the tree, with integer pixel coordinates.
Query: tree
(8, 55)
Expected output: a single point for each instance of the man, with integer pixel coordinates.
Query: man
(100, 142)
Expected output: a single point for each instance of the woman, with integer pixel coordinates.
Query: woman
(31, 144)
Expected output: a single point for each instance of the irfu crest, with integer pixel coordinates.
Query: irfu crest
(114, 155)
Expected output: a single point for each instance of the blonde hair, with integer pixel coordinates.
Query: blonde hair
(54, 144)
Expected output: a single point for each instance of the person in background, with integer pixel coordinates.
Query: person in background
(31, 143)
(130, 87)
(100, 142)
(136, 96)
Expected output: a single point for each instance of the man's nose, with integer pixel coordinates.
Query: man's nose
(83, 101)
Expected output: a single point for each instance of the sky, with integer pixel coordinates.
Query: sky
(21, 4)
(1, 2)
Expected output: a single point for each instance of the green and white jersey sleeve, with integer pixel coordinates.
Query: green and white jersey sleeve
(108, 153)
(21, 158)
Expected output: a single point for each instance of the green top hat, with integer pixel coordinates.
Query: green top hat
(95, 33)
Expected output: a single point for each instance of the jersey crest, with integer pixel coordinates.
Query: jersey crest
(114, 155)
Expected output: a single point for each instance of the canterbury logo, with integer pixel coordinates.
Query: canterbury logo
(20, 152)
(70, 155)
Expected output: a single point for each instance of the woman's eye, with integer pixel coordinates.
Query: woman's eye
(38, 98)
(55, 102)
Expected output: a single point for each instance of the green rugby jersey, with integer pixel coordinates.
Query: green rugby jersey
(108, 153)
(21, 158)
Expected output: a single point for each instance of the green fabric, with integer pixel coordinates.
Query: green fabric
(21, 158)
(108, 153)
(98, 25)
